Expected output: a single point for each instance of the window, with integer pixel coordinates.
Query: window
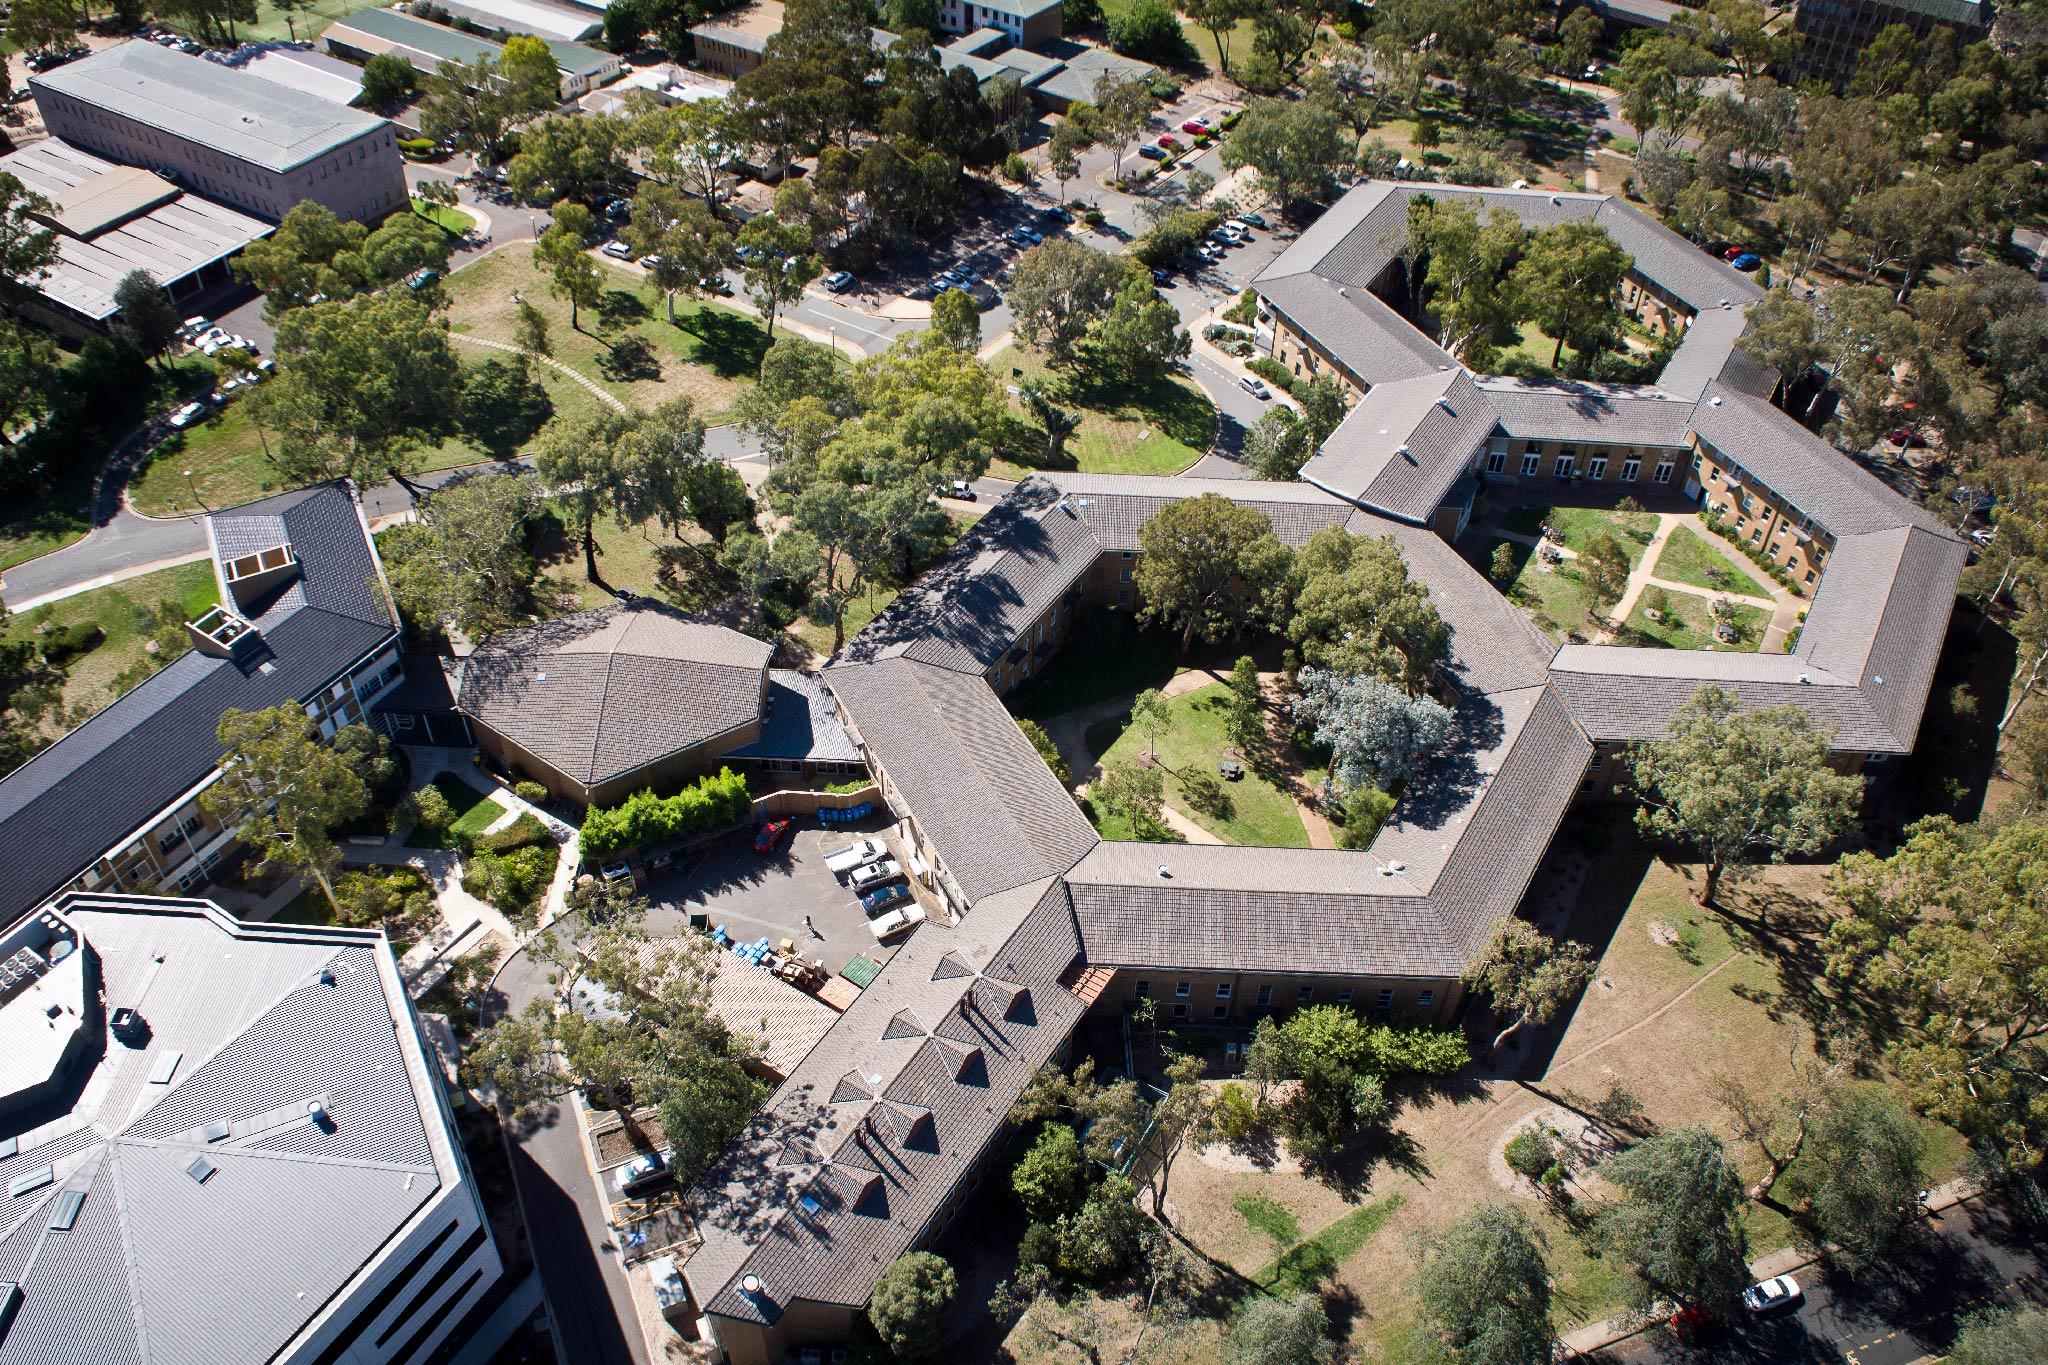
(1223, 990)
(1344, 996)
(1496, 461)
(1180, 1012)
(1220, 1013)
(1426, 999)
(1664, 468)
(1530, 463)
(1306, 996)
(1596, 468)
(1265, 997)
(1756, 537)
(1183, 989)
(1386, 1000)
(1141, 989)
(1563, 467)
(1124, 576)
(1809, 575)
(1748, 503)
(1630, 469)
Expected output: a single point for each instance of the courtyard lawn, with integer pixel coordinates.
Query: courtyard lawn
(1687, 624)
(447, 217)
(1158, 427)
(1689, 557)
(625, 344)
(1258, 812)
(1579, 526)
(1554, 595)
(474, 812)
(130, 615)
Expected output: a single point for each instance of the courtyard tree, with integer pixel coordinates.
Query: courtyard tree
(1484, 1290)
(1777, 1120)
(146, 315)
(1465, 266)
(1295, 146)
(1734, 783)
(572, 275)
(1057, 292)
(908, 1304)
(1139, 337)
(1676, 1221)
(1048, 751)
(1278, 446)
(1529, 976)
(1057, 423)
(1948, 935)
(1604, 568)
(1378, 734)
(2001, 1336)
(579, 460)
(1566, 279)
(689, 247)
(658, 461)
(956, 320)
(1150, 715)
(779, 264)
(1861, 1179)
(1267, 1330)
(284, 792)
(1357, 610)
(1210, 569)
(1137, 795)
(1245, 721)
(1504, 565)
(1049, 1180)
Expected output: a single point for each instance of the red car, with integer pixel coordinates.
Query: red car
(1692, 1324)
(1168, 140)
(771, 834)
(1904, 437)
(1730, 253)
(1194, 127)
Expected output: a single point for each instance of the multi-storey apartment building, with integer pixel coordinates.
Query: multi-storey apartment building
(1833, 33)
(223, 132)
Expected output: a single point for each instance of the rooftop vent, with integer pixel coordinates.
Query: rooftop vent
(1806, 679)
(317, 1115)
(201, 1170)
(327, 976)
(1715, 401)
(1067, 506)
(1557, 199)
(751, 1286)
(1877, 680)
(1444, 401)
(30, 1180)
(128, 1027)
(251, 576)
(1164, 874)
(224, 635)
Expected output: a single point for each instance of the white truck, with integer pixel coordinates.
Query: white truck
(844, 860)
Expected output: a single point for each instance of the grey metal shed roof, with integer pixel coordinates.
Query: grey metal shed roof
(234, 113)
(799, 719)
(157, 1262)
(74, 801)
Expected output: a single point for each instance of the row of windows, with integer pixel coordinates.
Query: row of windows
(1566, 465)
(1304, 995)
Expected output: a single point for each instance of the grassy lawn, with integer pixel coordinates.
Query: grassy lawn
(447, 217)
(1688, 557)
(307, 20)
(1687, 624)
(1259, 813)
(626, 343)
(1302, 1268)
(474, 812)
(1201, 58)
(1160, 427)
(1578, 526)
(1106, 656)
(1554, 595)
(130, 615)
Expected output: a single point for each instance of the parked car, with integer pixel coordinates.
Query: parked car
(1983, 535)
(866, 879)
(1748, 261)
(1194, 127)
(1693, 1324)
(883, 897)
(962, 490)
(617, 250)
(771, 834)
(196, 326)
(1255, 386)
(1729, 253)
(1151, 153)
(1161, 278)
(1905, 438)
(1168, 140)
(1257, 220)
(893, 922)
(650, 262)
(1768, 1296)
(841, 861)
(839, 281)
(642, 1173)
(187, 415)
(1057, 213)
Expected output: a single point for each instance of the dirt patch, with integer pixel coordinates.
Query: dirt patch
(1224, 1157)
(1585, 1145)
(1660, 932)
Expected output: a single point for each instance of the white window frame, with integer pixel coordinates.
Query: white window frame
(1631, 470)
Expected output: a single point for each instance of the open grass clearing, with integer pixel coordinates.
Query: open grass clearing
(625, 343)
(447, 217)
(1578, 527)
(1258, 812)
(1158, 427)
(1687, 623)
(130, 615)
(1688, 557)
(474, 812)
(1554, 595)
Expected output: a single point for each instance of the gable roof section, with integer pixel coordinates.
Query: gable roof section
(1619, 414)
(85, 793)
(1357, 328)
(1403, 445)
(982, 794)
(603, 693)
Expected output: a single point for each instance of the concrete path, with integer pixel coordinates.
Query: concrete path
(602, 394)
(1783, 606)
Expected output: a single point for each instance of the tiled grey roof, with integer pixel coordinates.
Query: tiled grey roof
(1117, 506)
(95, 786)
(1371, 341)
(1494, 648)
(1618, 693)
(1707, 353)
(980, 792)
(755, 1002)
(1617, 414)
(888, 1114)
(158, 1262)
(1698, 279)
(800, 720)
(1404, 444)
(603, 693)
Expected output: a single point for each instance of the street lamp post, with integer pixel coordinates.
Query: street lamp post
(195, 492)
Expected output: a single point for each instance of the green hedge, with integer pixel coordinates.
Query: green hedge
(525, 832)
(1755, 556)
(1272, 371)
(68, 642)
(644, 818)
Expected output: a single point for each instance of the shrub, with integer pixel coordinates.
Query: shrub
(393, 900)
(513, 881)
(1534, 1152)
(1016, 169)
(1365, 810)
(531, 792)
(416, 146)
(1048, 1181)
(1245, 312)
(524, 832)
(1272, 371)
(1236, 1116)
(429, 809)
(68, 642)
(644, 818)
(850, 786)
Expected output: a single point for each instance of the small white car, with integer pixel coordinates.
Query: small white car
(844, 860)
(187, 415)
(896, 921)
(1255, 387)
(1767, 1296)
(641, 1174)
(618, 251)
(874, 874)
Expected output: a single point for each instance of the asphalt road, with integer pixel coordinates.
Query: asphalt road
(1974, 1255)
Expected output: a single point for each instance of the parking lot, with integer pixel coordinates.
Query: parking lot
(752, 894)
